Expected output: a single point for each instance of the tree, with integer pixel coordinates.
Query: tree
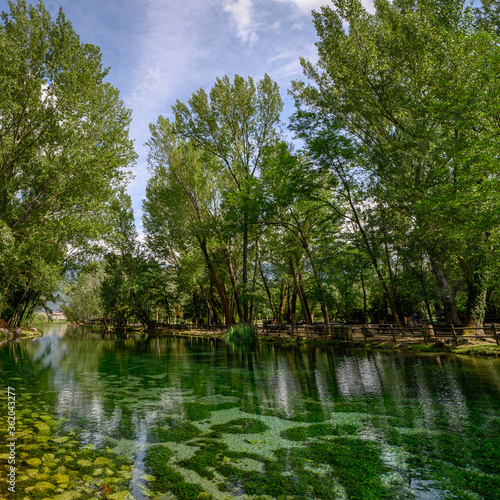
(134, 285)
(407, 100)
(182, 210)
(64, 148)
(235, 122)
(82, 300)
(292, 199)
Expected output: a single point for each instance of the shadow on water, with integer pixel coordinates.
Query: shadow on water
(205, 417)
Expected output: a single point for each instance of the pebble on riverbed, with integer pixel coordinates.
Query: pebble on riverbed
(49, 470)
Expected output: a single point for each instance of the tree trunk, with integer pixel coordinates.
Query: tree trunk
(324, 307)
(222, 295)
(447, 296)
(245, 268)
(143, 315)
(211, 317)
(476, 305)
(283, 294)
(365, 311)
(234, 283)
(370, 251)
(254, 281)
(293, 303)
(268, 292)
(476, 299)
(392, 281)
(298, 287)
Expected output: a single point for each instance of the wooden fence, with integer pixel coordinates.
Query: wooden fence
(426, 332)
(429, 332)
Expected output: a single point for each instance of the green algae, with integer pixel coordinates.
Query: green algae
(204, 460)
(469, 467)
(174, 431)
(166, 477)
(195, 411)
(390, 433)
(356, 464)
(343, 467)
(317, 430)
(241, 426)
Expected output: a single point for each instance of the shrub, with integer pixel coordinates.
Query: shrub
(240, 333)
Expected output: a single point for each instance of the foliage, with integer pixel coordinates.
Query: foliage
(81, 298)
(390, 211)
(208, 157)
(394, 110)
(64, 148)
(240, 333)
(166, 478)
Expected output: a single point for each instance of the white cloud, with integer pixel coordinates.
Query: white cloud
(287, 65)
(242, 13)
(305, 6)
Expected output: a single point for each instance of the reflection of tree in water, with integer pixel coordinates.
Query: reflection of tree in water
(128, 392)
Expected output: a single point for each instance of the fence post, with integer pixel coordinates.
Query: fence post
(454, 335)
(495, 334)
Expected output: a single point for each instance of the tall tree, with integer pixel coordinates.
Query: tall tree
(234, 122)
(408, 94)
(182, 209)
(64, 148)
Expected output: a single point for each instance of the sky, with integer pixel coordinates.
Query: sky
(160, 51)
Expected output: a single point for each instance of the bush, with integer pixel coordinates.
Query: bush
(240, 333)
(41, 318)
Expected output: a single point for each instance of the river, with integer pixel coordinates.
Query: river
(137, 416)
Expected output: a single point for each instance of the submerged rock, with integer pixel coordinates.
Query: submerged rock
(42, 427)
(61, 478)
(69, 495)
(44, 486)
(121, 495)
(61, 439)
(84, 463)
(34, 462)
(102, 461)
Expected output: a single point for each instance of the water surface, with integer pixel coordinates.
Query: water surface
(187, 418)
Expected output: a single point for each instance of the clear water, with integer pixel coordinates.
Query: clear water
(151, 417)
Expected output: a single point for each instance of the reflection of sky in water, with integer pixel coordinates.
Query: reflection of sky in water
(358, 377)
(100, 380)
(119, 388)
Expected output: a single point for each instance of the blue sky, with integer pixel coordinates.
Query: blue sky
(163, 50)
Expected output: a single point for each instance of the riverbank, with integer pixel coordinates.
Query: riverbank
(469, 347)
(19, 333)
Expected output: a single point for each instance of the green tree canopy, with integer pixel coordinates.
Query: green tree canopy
(64, 151)
(403, 104)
